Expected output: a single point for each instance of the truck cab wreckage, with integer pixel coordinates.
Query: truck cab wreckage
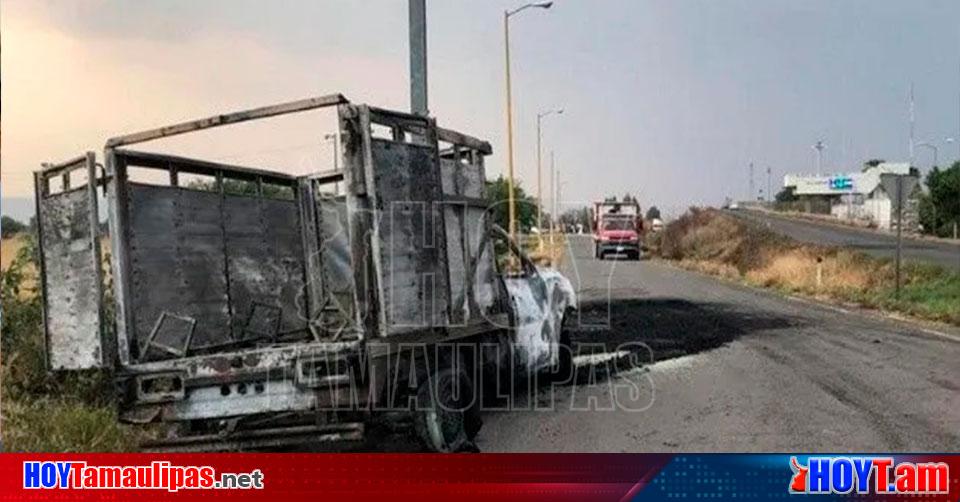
(264, 310)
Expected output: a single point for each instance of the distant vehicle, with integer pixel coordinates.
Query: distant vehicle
(617, 227)
(734, 206)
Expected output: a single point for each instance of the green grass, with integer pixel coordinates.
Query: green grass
(929, 292)
(51, 424)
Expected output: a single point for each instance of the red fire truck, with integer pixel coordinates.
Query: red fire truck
(617, 228)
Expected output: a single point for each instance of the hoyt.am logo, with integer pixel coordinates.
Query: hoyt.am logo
(878, 475)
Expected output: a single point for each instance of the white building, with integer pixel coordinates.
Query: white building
(856, 196)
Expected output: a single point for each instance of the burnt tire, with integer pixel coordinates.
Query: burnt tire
(562, 371)
(447, 418)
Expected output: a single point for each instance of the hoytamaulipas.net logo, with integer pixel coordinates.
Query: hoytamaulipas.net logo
(158, 475)
(868, 475)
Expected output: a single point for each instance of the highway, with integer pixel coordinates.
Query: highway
(738, 369)
(875, 243)
(724, 367)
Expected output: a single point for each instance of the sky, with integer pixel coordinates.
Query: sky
(669, 100)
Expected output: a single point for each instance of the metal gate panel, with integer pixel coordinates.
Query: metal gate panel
(177, 261)
(265, 266)
(410, 230)
(71, 268)
(470, 256)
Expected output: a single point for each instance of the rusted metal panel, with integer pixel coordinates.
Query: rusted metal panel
(311, 302)
(177, 261)
(265, 264)
(471, 263)
(355, 139)
(336, 259)
(457, 138)
(413, 256)
(70, 269)
(229, 262)
(116, 172)
(228, 118)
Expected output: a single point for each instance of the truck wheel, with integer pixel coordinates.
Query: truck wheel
(564, 370)
(443, 422)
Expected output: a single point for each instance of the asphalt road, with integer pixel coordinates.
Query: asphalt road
(734, 368)
(875, 243)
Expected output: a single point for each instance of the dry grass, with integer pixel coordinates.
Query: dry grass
(9, 248)
(714, 243)
(841, 272)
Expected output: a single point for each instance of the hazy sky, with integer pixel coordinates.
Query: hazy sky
(667, 99)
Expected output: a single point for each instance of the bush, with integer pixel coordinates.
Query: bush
(10, 227)
(45, 411)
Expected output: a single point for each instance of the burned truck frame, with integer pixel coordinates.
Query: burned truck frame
(256, 309)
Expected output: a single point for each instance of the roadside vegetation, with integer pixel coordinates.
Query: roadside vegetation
(40, 410)
(712, 242)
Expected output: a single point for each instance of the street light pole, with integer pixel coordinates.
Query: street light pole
(418, 56)
(512, 209)
(540, 117)
(769, 186)
(553, 197)
(819, 146)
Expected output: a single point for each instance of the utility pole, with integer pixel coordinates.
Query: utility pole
(751, 193)
(899, 231)
(769, 186)
(553, 198)
(540, 117)
(912, 119)
(819, 146)
(559, 188)
(512, 209)
(418, 57)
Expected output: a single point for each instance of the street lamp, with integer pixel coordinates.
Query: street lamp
(506, 52)
(819, 146)
(540, 117)
(932, 147)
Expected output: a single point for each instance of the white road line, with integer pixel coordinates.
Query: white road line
(892, 316)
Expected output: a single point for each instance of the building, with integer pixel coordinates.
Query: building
(860, 196)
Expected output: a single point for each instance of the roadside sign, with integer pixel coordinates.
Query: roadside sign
(889, 183)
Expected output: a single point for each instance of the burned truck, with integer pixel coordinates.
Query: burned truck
(253, 309)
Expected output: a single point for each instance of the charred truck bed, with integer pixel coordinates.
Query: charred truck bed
(251, 308)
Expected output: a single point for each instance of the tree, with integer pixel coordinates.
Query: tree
(10, 227)
(578, 216)
(940, 206)
(653, 212)
(788, 194)
(498, 202)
